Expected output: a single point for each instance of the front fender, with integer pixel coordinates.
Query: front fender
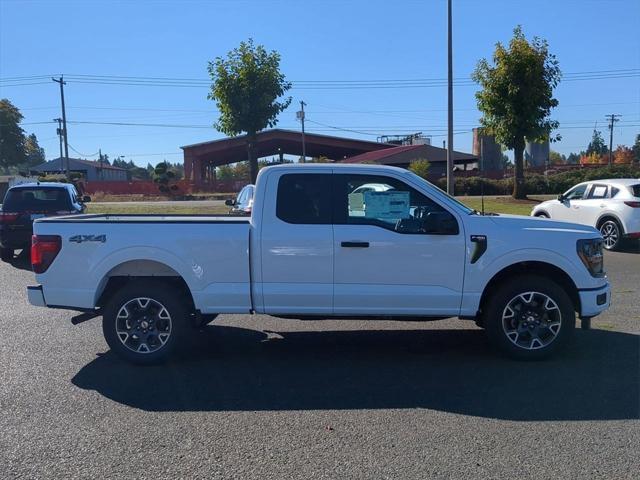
(481, 273)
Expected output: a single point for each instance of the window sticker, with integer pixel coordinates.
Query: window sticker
(599, 192)
(382, 205)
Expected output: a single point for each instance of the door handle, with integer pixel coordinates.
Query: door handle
(354, 244)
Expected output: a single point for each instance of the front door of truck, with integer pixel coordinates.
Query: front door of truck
(385, 261)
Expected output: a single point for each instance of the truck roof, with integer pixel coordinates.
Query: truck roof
(42, 184)
(323, 166)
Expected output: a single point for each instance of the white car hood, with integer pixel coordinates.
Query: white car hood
(535, 224)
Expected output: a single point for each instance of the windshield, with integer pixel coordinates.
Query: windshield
(36, 200)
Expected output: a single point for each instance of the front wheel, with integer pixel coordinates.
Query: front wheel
(144, 322)
(6, 254)
(542, 215)
(529, 317)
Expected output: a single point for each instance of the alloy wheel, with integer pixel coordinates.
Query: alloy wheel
(143, 325)
(610, 233)
(531, 320)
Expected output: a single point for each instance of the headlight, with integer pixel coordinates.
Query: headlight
(590, 252)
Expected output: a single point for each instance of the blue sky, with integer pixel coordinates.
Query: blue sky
(318, 40)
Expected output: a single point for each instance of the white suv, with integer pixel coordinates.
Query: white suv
(612, 206)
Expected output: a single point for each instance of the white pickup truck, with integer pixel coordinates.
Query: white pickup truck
(323, 241)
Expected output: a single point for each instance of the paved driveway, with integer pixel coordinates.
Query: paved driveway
(257, 397)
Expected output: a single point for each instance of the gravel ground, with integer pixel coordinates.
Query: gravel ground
(256, 397)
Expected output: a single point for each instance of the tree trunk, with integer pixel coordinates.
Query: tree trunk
(253, 161)
(519, 191)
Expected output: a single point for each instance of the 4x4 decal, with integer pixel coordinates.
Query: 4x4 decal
(88, 238)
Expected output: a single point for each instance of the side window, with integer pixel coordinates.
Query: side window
(614, 191)
(576, 193)
(598, 191)
(381, 201)
(304, 198)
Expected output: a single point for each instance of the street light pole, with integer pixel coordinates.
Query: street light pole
(450, 180)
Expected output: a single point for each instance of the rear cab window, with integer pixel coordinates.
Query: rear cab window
(36, 199)
(304, 198)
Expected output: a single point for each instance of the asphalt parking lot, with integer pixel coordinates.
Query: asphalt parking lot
(256, 397)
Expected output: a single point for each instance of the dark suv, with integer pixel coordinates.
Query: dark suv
(24, 203)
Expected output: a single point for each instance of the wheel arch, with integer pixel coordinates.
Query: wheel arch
(610, 216)
(135, 270)
(543, 269)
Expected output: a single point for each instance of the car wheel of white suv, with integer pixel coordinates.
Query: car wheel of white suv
(611, 233)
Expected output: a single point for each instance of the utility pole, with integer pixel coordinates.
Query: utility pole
(59, 133)
(613, 118)
(300, 115)
(64, 123)
(450, 182)
(100, 163)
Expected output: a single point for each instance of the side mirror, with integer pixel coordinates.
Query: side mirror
(86, 199)
(561, 198)
(440, 223)
(229, 202)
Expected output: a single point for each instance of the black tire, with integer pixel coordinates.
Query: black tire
(6, 254)
(145, 323)
(542, 215)
(611, 233)
(552, 323)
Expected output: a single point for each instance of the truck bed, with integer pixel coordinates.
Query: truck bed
(210, 252)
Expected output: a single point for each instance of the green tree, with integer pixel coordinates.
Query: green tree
(165, 178)
(556, 158)
(420, 167)
(597, 145)
(12, 139)
(246, 86)
(34, 153)
(636, 148)
(517, 96)
(573, 158)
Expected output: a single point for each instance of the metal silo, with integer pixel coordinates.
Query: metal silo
(536, 154)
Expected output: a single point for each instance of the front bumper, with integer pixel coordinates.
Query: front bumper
(36, 296)
(594, 301)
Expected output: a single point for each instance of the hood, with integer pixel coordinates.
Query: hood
(543, 225)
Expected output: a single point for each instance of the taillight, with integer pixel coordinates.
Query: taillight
(633, 204)
(44, 249)
(6, 217)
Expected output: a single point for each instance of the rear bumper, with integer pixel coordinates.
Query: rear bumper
(15, 239)
(36, 296)
(594, 301)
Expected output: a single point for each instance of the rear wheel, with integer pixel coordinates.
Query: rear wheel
(145, 321)
(611, 234)
(542, 215)
(529, 317)
(6, 254)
